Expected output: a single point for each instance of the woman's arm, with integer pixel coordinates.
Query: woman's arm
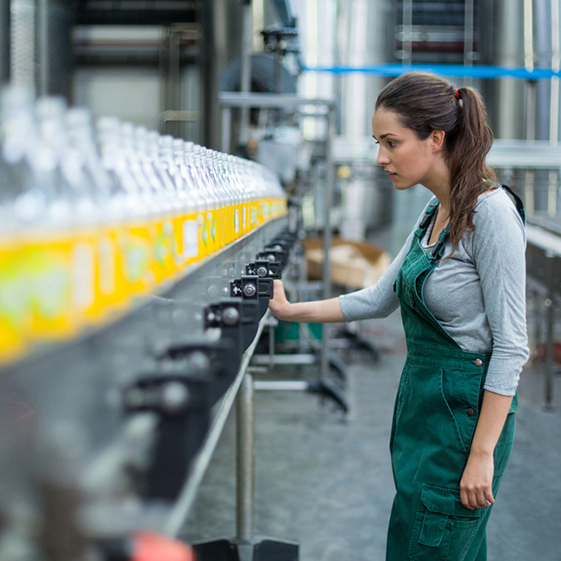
(320, 311)
(477, 480)
(498, 247)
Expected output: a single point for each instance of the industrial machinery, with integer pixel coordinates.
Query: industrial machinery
(136, 274)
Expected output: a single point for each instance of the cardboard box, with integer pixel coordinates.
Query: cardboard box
(353, 264)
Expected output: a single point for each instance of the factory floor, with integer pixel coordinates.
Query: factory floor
(325, 481)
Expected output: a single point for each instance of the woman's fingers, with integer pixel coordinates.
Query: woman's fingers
(476, 497)
(278, 304)
(476, 483)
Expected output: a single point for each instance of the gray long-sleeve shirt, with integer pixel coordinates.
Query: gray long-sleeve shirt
(478, 295)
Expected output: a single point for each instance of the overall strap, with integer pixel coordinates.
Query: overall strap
(436, 253)
(517, 201)
(423, 225)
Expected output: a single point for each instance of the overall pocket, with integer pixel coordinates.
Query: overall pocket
(444, 529)
(452, 390)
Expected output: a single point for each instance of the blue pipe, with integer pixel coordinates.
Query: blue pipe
(456, 70)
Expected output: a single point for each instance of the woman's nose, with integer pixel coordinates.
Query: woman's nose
(382, 158)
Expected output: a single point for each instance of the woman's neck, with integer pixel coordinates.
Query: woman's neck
(439, 184)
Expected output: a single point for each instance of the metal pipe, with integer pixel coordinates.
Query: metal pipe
(555, 66)
(537, 317)
(287, 385)
(245, 78)
(468, 36)
(327, 236)
(552, 183)
(549, 326)
(244, 460)
(529, 65)
(529, 183)
(43, 44)
(529, 35)
(407, 43)
(272, 325)
(226, 129)
(290, 359)
(549, 319)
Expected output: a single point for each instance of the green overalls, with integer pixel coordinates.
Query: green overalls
(436, 411)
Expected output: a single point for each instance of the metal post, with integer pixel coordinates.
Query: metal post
(244, 459)
(226, 129)
(529, 194)
(327, 235)
(555, 66)
(468, 37)
(529, 65)
(536, 296)
(552, 193)
(549, 322)
(173, 76)
(549, 315)
(245, 85)
(43, 45)
(407, 42)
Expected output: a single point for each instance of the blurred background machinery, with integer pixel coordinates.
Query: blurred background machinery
(111, 410)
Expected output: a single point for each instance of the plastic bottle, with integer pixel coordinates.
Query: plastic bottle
(17, 129)
(211, 212)
(193, 204)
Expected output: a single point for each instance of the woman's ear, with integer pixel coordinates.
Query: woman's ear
(437, 140)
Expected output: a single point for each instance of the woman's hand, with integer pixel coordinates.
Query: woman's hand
(476, 484)
(279, 305)
(320, 311)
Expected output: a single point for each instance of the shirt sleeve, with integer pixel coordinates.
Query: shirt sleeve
(498, 250)
(379, 300)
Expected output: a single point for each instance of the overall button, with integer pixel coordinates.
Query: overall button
(478, 362)
(470, 412)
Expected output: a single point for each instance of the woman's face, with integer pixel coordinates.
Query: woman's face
(406, 159)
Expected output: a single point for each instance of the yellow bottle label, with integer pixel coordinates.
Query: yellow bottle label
(52, 284)
(164, 250)
(48, 273)
(189, 240)
(237, 226)
(245, 220)
(14, 312)
(135, 248)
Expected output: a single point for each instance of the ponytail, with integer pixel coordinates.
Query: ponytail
(425, 103)
(466, 150)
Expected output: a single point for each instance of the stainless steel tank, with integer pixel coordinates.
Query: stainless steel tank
(360, 42)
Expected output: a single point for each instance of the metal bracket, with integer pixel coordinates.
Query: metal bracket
(179, 393)
(272, 254)
(264, 269)
(252, 287)
(221, 355)
(237, 319)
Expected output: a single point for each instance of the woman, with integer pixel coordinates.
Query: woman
(460, 283)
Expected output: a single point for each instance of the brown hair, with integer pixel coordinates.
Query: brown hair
(425, 103)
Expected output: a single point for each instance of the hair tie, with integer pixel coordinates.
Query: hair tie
(456, 94)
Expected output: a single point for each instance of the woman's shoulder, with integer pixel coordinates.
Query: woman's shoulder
(496, 209)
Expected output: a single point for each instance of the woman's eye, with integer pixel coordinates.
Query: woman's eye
(391, 144)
